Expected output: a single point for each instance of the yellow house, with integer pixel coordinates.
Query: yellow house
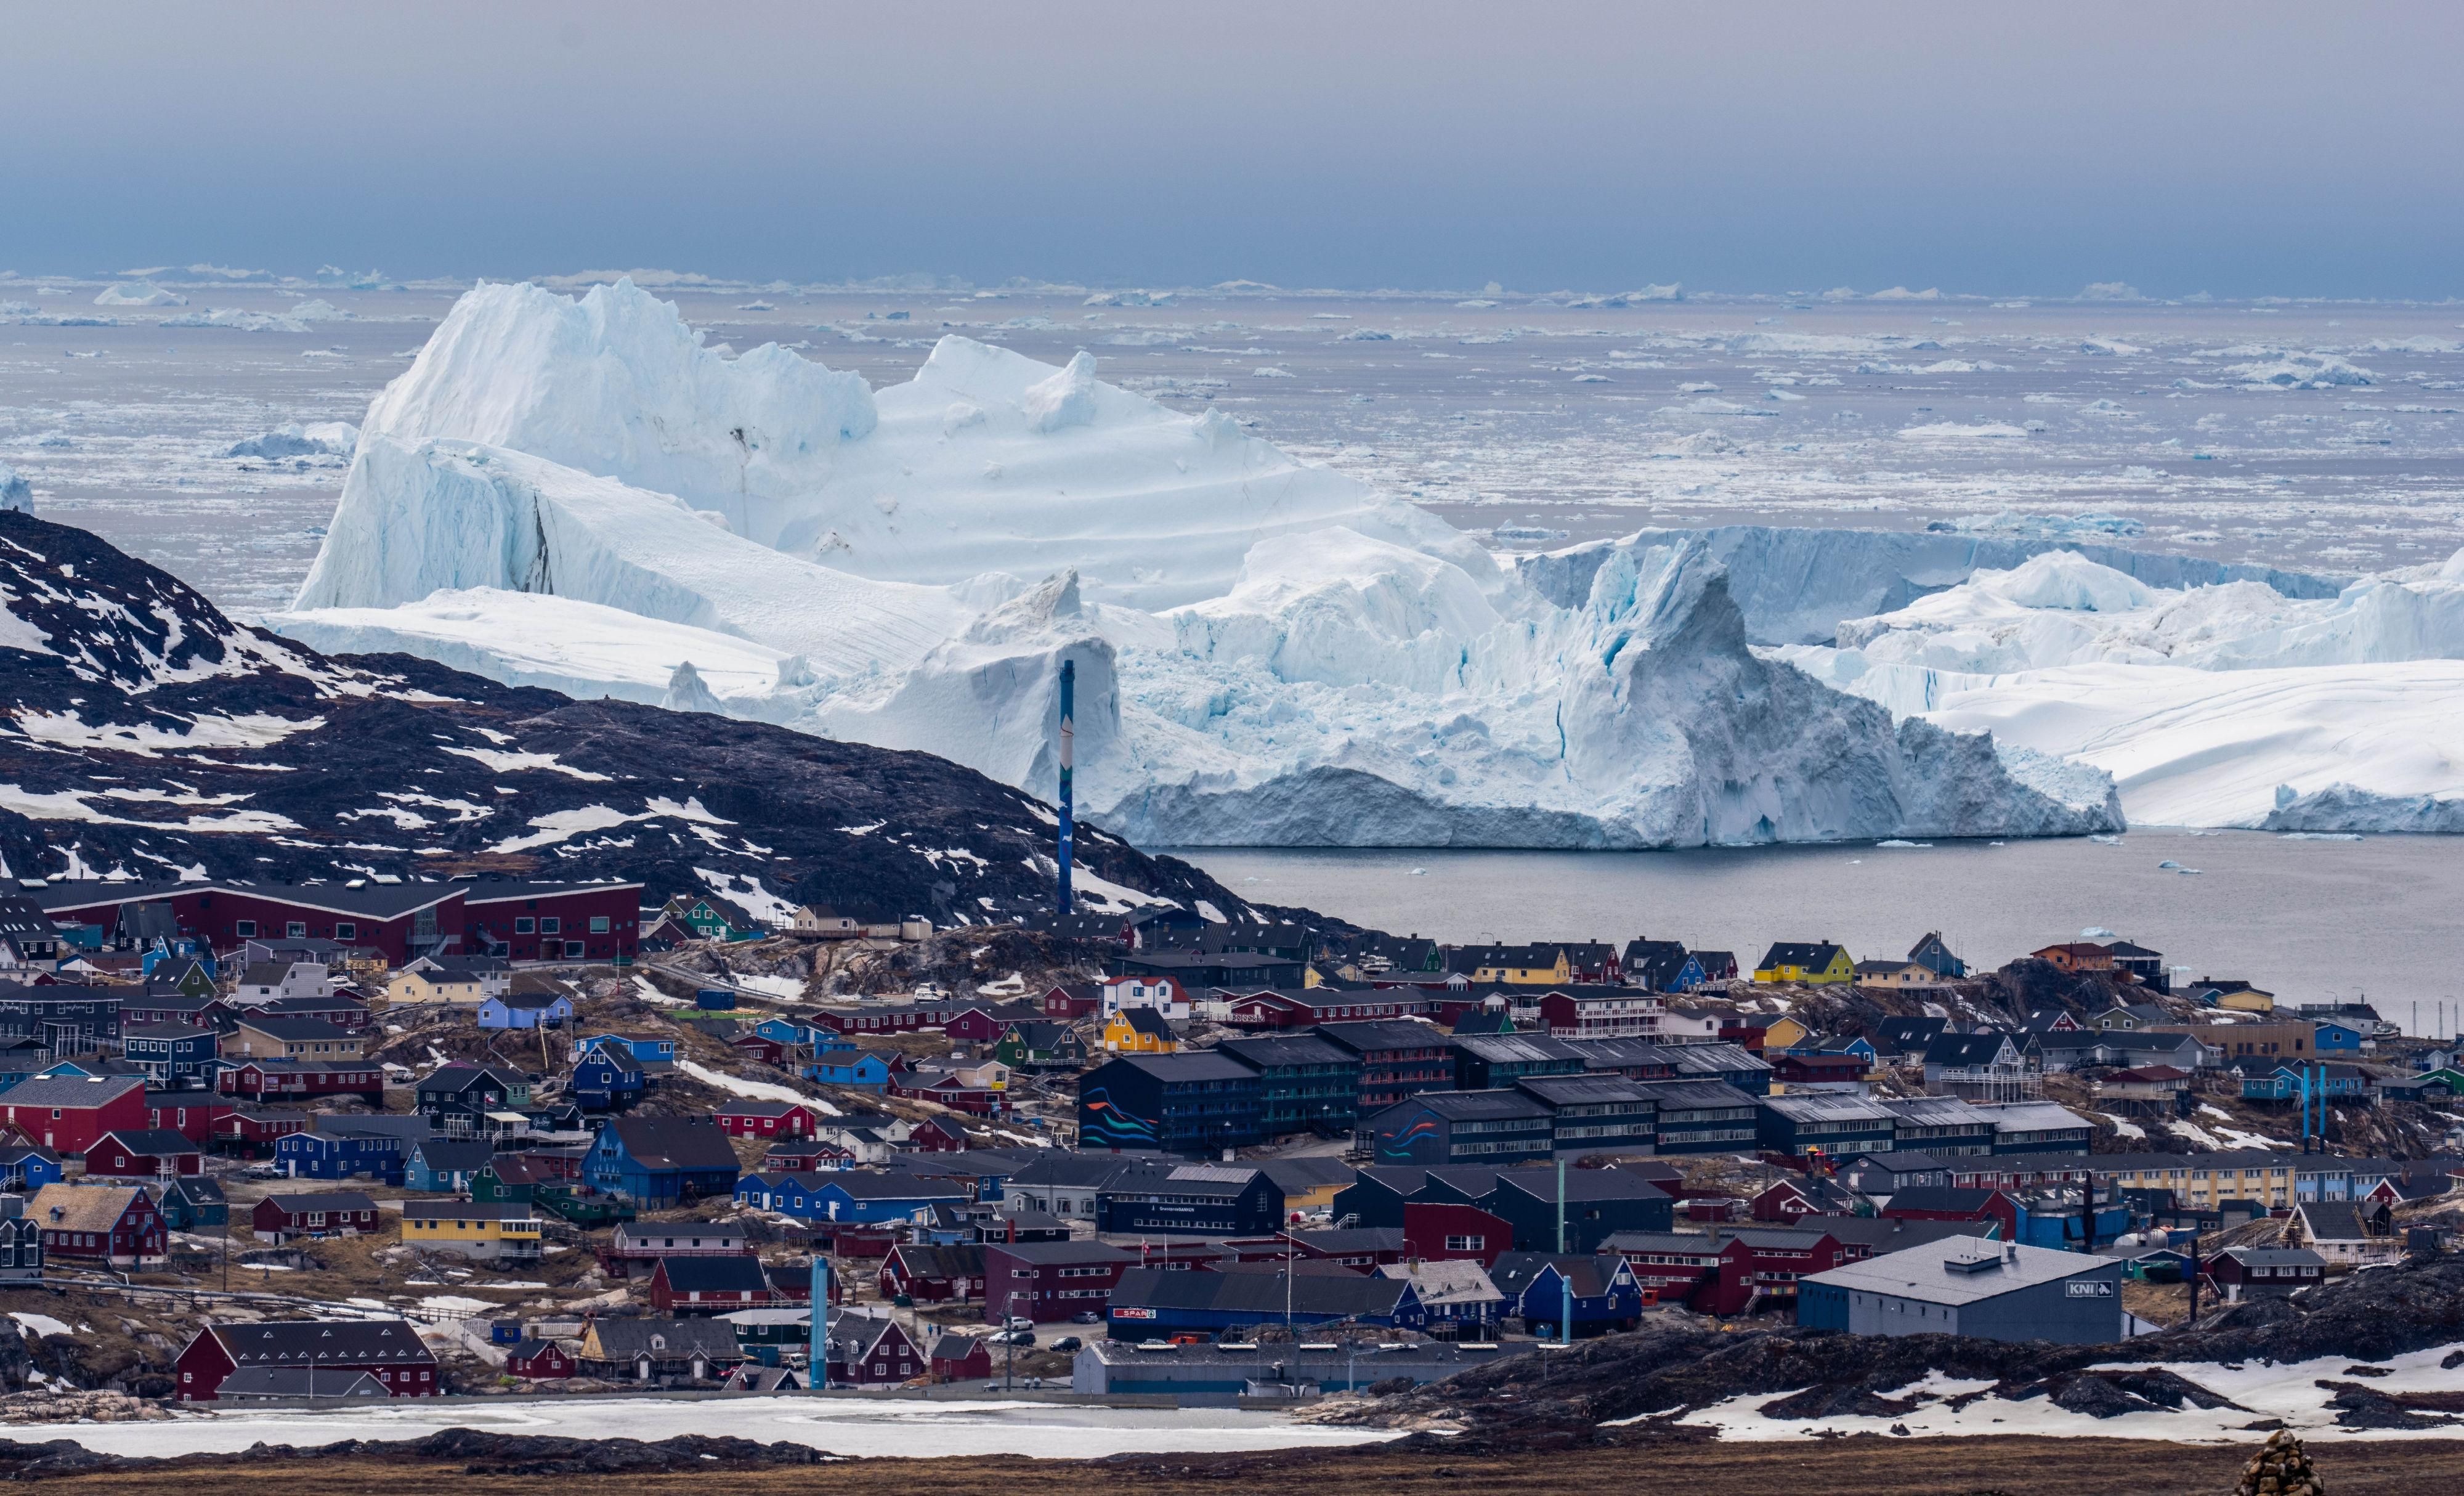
(1138, 1031)
(1816, 963)
(1519, 965)
(2248, 1000)
(275, 1037)
(1784, 1034)
(426, 984)
(2200, 1186)
(502, 1229)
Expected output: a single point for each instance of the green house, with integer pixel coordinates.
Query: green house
(1036, 1045)
(714, 919)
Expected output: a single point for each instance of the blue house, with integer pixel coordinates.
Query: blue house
(2057, 1226)
(195, 1204)
(1606, 1296)
(660, 1162)
(789, 1192)
(606, 1078)
(526, 1010)
(2347, 1082)
(27, 1167)
(858, 1069)
(788, 1031)
(445, 1165)
(2334, 1037)
(319, 1154)
(645, 1048)
(866, 1198)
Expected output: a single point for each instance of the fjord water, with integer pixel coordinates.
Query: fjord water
(2304, 919)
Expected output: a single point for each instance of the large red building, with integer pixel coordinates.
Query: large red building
(69, 1113)
(520, 920)
(335, 1351)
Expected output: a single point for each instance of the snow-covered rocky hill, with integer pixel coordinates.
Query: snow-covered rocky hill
(576, 494)
(143, 733)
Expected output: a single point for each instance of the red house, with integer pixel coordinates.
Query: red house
(142, 1152)
(304, 1080)
(400, 920)
(975, 1101)
(71, 1113)
(116, 1224)
(1949, 1202)
(553, 921)
(251, 1132)
(279, 1218)
(756, 1047)
(933, 1274)
(681, 1285)
(1761, 1265)
(957, 1358)
(936, 1135)
(1047, 1281)
(1069, 1003)
(866, 1351)
(538, 1361)
(1442, 1233)
(190, 1113)
(388, 1350)
(806, 1156)
(767, 1119)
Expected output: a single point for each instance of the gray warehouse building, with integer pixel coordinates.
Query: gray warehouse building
(1993, 1290)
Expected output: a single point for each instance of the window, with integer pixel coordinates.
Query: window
(296, 930)
(549, 924)
(245, 929)
(573, 951)
(524, 924)
(598, 924)
(345, 930)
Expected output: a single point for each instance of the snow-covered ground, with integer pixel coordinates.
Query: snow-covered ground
(844, 1426)
(2288, 1391)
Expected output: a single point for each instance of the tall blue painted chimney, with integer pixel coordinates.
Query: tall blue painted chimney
(1068, 730)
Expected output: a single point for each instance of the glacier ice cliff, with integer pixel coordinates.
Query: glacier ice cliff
(576, 492)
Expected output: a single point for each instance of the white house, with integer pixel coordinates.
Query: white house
(1163, 993)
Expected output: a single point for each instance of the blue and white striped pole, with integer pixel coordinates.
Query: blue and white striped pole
(1068, 731)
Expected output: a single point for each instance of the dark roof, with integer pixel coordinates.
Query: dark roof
(152, 1141)
(328, 1200)
(1468, 1105)
(1342, 1293)
(1279, 1051)
(1942, 1197)
(465, 1210)
(732, 1273)
(674, 1143)
(452, 1153)
(1379, 1035)
(677, 1339)
(1515, 1048)
(1147, 1021)
(71, 1090)
(941, 1261)
(1306, 1172)
(864, 1184)
(1044, 1254)
(1516, 1271)
(493, 893)
(1184, 1068)
(2333, 1221)
(186, 1031)
(1581, 1185)
(1816, 954)
(457, 1077)
(1966, 1049)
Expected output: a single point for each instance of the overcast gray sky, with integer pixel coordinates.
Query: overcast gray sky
(2242, 148)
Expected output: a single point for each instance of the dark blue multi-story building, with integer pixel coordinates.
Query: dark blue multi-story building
(1194, 1199)
(1304, 1082)
(1198, 1103)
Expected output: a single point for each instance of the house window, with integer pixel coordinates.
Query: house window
(297, 929)
(245, 929)
(549, 924)
(345, 930)
(524, 924)
(598, 924)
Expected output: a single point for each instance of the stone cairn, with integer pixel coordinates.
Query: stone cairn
(2281, 1469)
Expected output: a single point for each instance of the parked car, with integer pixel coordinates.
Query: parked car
(1087, 1317)
(1066, 1343)
(1021, 1322)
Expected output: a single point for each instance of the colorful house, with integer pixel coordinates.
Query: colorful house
(660, 1162)
(116, 1224)
(526, 1010)
(711, 918)
(1139, 1031)
(857, 1070)
(499, 1231)
(606, 1078)
(1812, 962)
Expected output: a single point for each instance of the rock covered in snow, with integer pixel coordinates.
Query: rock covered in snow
(143, 733)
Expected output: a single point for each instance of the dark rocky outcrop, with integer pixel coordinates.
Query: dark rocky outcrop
(143, 731)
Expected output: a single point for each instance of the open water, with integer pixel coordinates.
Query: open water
(2381, 917)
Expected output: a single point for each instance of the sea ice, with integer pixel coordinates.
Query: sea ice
(139, 292)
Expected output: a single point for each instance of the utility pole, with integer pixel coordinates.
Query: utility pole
(2193, 1322)
(1564, 1274)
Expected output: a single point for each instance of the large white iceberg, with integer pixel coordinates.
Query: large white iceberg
(575, 493)
(2229, 704)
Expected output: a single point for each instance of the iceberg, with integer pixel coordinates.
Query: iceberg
(15, 492)
(139, 292)
(575, 491)
(318, 439)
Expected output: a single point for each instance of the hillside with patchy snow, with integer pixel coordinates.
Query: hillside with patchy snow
(144, 735)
